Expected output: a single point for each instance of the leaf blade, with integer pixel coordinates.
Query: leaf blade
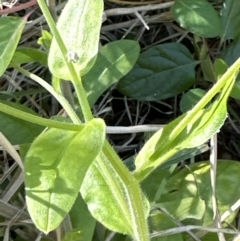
(114, 60)
(112, 181)
(161, 72)
(54, 174)
(230, 20)
(198, 17)
(12, 28)
(79, 26)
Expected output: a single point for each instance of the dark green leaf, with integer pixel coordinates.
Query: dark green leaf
(114, 60)
(198, 17)
(230, 55)
(18, 131)
(161, 72)
(190, 99)
(159, 221)
(55, 167)
(82, 220)
(230, 19)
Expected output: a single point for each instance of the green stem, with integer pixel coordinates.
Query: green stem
(50, 89)
(38, 120)
(65, 85)
(75, 77)
(82, 97)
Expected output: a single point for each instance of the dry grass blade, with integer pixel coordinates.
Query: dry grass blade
(11, 150)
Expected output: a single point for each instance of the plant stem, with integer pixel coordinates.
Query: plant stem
(86, 110)
(50, 89)
(82, 97)
(38, 120)
(65, 85)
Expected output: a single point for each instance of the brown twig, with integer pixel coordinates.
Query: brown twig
(18, 7)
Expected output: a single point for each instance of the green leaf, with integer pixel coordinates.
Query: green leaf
(214, 237)
(45, 40)
(230, 55)
(114, 198)
(161, 72)
(191, 98)
(28, 55)
(16, 96)
(79, 25)
(230, 20)
(198, 128)
(194, 181)
(73, 235)
(114, 60)
(198, 17)
(220, 67)
(236, 90)
(160, 221)
(18, 131)
(12, 28)
(183, 208)
(185, 154)
(55, 167)
(82, 220)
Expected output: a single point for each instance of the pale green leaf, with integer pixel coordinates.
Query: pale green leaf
(55, 167)
(11, 29)
(79, 25)
(198, 17)
(119, 204)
